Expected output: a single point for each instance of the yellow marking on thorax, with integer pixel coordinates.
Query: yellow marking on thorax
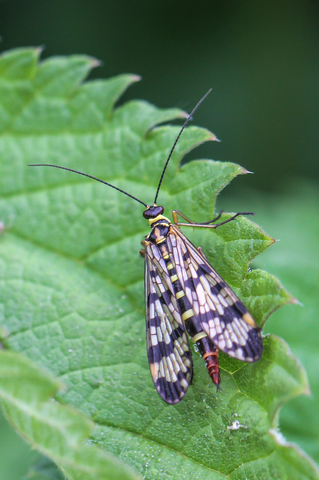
(156, 219)
(188, 314)
(198, 336)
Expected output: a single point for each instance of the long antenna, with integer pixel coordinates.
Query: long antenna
(178, 136)
(86, 175)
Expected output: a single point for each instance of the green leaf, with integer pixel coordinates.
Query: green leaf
(56, 430)
(292, 218)
(71, 277)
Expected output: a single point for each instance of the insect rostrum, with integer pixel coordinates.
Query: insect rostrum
(185, 295)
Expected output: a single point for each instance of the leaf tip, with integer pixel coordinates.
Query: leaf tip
(182, 114)
(296, 301)
(307, 390)
(243, 171)
(270, 240)
(212, 137)
(136, 78)
(39, 49)
(96, 62)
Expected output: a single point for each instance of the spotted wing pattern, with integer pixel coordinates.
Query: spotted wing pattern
(167, 343)
(223, 317)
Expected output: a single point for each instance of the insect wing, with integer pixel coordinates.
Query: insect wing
(223, 317)
(168, 349)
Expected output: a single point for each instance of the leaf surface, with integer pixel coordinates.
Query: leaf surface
(71, 278)
(56, 430)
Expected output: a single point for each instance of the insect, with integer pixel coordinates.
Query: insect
(185, 295)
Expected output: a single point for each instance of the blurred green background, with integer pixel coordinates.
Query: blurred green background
(262, 61)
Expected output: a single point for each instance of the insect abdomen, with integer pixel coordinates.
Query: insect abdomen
(210, 354)
(206, 347)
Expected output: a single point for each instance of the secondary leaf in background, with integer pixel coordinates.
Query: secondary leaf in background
(72, 280)
(292, 218)
(56, 430)
(43, 468)
(15, 453)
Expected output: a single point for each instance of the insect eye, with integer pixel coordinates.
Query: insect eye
(153, 211)
(146, 214)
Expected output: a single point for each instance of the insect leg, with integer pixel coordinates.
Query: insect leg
(142, 251)
(216, 218)
(176, 213)
(205, 224)
(232, 218)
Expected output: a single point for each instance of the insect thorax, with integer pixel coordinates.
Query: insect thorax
(159, 224)
(160, 229)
